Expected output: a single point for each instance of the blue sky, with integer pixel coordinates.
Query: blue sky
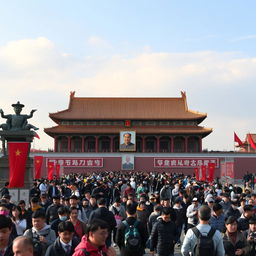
(132, 48)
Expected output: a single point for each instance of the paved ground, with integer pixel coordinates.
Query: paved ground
(177, 252)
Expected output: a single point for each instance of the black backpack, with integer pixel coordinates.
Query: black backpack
(204, 244)
(132, 238)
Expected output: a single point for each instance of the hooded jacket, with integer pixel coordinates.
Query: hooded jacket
(89, 248)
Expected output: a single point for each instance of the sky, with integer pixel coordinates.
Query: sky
(135, 48)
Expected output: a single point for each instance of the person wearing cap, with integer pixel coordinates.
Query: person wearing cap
(192, 213)
(250, 234)
(217, 219)
(190, 240)
(52, 210)
(243, 221)
(233, 210)
(234, 240)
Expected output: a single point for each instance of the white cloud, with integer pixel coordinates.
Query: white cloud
(35, 72)
(96, 41)
(244, 38)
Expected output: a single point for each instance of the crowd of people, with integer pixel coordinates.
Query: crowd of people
(97, 213)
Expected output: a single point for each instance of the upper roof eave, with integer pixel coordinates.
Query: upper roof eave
(122, 108)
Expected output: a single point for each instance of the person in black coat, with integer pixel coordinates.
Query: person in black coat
(243, 221)
(233, 211)
(52, 210)
(5, 190)
(164, 234)
(65, 244)
(103, 213)
(120, 234)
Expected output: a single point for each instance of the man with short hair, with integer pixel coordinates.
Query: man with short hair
(164, 235)
(243, 221)
(103, 213)
(191, 239)
(52, 210)
(5, 236)
(74, 202)
(23, 246)
(63, 213)
(217, 219)
(40, 232)
(65, 244)
(131, 220)
(251, 236)
(94, 242)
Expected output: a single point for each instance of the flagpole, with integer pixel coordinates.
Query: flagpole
(234, 142)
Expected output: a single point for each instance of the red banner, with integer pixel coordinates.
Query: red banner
(196, 173)
(236, 139)
(18, 153)
(77, 162)
(186, 162)
(57, 171)
(250, 140)
(38, 161)
(203, 173)
(50, 170)
(211, 170)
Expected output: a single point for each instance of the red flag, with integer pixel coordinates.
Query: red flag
(250, 140)
(36, 135)
(196, 170)
(236, 139)
(18, 153)
(57, 171)
(211, 170)
(203, 172)
(50, 170)
(38, 161)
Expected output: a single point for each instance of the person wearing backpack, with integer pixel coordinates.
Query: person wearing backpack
(131, 235)
(164, 234)
(203, 240)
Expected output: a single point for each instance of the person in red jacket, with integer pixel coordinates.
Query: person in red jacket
(94, 241)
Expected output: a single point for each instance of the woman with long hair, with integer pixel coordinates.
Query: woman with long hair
(18, 220)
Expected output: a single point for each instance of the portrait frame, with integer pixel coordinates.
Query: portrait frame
(131, 147)
(127, 165)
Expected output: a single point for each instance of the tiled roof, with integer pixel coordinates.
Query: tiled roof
(128, 108)
(76, 129)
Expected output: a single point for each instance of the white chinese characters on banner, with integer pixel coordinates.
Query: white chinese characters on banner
(77, 162)
(184, 162)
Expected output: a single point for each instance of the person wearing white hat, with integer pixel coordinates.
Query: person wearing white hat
(192, 213)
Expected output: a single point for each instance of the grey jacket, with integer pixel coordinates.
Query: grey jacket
(46, 231)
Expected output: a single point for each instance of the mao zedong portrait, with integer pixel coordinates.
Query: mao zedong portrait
(127, 145)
